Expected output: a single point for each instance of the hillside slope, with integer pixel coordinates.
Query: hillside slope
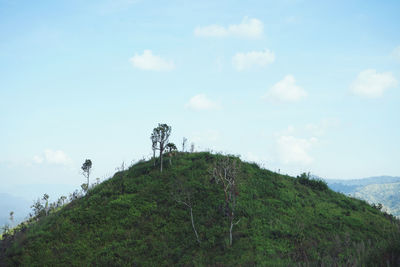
(137, 218)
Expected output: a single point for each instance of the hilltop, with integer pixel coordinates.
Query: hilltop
(144, 217)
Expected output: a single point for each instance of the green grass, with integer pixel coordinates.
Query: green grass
(134, 219)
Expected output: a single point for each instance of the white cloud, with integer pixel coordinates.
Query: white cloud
(205, 137)
(148, 61)
(285, 90)
(321, 127)
(396, 53)
(248, 28)
(292, 20)
(371, 84)
(294, 150)
(219, 65)
(38, 159)
(201, 102)
(211, 31)
(242, 61)
(52, 157)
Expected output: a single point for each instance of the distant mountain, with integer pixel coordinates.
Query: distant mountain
(18, 205)
(19, 198)
(380, 189)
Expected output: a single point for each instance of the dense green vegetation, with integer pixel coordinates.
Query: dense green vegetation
(137, 218)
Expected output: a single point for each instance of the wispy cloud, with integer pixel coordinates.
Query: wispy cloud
(38, 159)
(294, 150)
(52, 157)
(322, 127)
(243, 61)
(369, 83)
(205, 136)
(202, 102)
(285, 90)
(396, 53)
(148, 61)
(218, 64)
(248, 28)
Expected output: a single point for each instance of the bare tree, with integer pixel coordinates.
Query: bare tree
(45, 198)
(183, 195)
(225, 172)
(86, 169)
(191, 147)
(12, 217)
(60, 201)
(153, 138)
(122, 168)
(160, 137)
(184, 140)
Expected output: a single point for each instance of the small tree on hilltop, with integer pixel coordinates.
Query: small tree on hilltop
(45, 198)
(86, 169)
(184, 140)
(191, 147)
(171, 149)
(12, 217)
(160, 138)
(38, 209)
(153, 138)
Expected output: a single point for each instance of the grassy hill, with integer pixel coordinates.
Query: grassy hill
(139, 218)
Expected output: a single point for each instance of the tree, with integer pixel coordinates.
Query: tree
(183, 194)
(46, 203)
(84, 187)
(225, 172)
(153, 138)
(6, 231)
(184, 140)
(86, 169)
(191, 147)
(160, 138)
(38, 208)
(60, 201)
(12, 217)
(171, 149)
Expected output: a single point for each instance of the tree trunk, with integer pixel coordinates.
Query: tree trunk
(161, 157)
(191, 218)
(230, 234)
(194, 228)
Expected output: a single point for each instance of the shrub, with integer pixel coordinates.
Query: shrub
(316, 184)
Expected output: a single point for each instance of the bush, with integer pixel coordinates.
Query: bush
(316, 184)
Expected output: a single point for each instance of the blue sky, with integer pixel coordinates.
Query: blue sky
(294, 85)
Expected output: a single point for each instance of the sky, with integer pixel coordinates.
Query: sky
(294, 85)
